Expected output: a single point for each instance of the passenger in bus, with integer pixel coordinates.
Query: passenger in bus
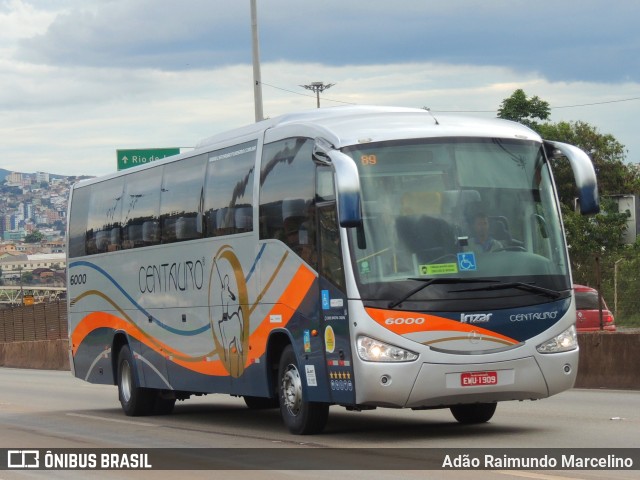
(481, 240)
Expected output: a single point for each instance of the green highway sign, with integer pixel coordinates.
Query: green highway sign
(134, 157)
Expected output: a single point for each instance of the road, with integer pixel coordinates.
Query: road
(51, 409)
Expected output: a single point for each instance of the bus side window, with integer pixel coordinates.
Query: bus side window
(331, 263)
(140, 210)
(180, 200)
(103, 220)
(78, 222)
(287, 194)
(228, 196)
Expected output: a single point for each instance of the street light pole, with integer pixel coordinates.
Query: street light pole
(317, 88)
(257, 81)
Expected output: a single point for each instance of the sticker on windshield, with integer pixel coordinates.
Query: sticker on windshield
(467, 261)
(438, 269)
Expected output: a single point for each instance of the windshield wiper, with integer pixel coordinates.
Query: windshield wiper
(434, 281)
(529, 287)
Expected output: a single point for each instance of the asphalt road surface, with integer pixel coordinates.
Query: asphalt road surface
(53, 410)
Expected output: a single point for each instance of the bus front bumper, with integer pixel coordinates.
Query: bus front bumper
(429, 385)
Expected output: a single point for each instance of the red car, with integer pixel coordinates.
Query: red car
(588, 311)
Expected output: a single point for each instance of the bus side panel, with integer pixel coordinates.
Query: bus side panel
(206, 331)
(308, 345)
(336, 343)
(92, 358)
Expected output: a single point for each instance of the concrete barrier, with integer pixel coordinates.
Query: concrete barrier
(607, 360)
(40, 354)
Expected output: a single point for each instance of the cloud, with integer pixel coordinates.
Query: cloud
(594, 40)
(80, 79)
(156, 34)
(21, 20)
(75, 124)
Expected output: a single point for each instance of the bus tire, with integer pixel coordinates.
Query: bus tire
(261, 403)
(135, 400)
(473, 413)
(300, 416)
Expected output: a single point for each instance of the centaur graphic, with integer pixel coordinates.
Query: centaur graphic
(228, 311)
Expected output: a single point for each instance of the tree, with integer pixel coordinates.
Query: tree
(607, 154)
(35, 237)
(590, 236)
(524, 110)
(599, 236)
(27, 278)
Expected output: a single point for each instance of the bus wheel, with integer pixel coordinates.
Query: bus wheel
(135, 400)
(474, 413)
(300, 416)
(261, 403)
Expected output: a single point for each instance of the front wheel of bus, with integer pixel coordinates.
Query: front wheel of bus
(135, 400)
(474, 413)
(299, 415)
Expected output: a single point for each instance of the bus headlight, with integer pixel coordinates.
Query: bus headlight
(567, 340)
(373, 350)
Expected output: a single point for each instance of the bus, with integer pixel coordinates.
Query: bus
(359, 257)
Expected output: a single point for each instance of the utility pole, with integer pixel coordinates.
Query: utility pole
(257, 81)
(318, 87)
(21, 287)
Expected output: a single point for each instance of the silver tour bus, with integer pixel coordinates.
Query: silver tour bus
(359, 257)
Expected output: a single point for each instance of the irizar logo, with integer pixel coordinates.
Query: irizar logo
(475, 317)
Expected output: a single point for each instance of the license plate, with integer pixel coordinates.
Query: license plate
(478, 379)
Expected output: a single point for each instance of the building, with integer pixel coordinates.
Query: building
(42, 177)
(15, 265)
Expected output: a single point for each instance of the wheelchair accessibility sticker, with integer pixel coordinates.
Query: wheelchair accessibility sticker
(467, 261)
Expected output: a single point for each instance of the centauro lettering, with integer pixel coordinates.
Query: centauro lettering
(523, 317)
(178, 276)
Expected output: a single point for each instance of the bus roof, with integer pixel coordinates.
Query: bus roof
(351, 125)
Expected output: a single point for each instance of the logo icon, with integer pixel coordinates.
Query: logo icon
(475, 317)
(326, 300)
(23, 459)
(228, 310)
(467, 261)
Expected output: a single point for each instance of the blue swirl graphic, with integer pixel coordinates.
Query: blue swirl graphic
(176, 331)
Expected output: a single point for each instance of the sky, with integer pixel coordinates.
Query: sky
(80, 79)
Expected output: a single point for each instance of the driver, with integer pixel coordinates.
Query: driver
(481, 241)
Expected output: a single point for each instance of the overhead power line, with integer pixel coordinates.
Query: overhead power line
(600, 103)
(631, 99)
(550, 107)
(307, 95)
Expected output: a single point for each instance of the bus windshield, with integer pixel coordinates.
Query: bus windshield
(453, 212)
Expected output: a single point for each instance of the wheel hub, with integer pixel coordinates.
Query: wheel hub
(126, 381)
(292, 390)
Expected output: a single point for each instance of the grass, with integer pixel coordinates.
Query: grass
(632, 321)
